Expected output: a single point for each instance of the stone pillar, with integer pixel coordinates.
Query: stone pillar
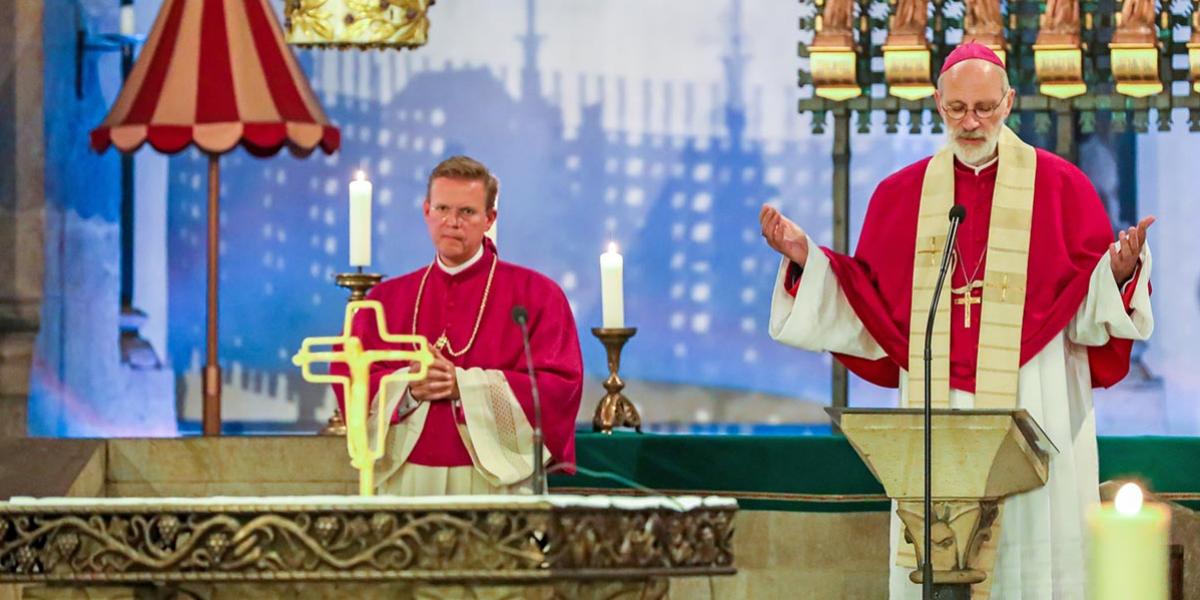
(22, 205)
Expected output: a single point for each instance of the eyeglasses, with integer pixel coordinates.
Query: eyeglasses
(465, 214)
(958, 111)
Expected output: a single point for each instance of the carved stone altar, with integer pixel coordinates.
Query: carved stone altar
(464, 539)
(230, 528)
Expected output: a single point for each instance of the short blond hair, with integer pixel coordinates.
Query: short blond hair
(465, 168)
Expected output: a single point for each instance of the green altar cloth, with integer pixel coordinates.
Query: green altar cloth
(823, 473)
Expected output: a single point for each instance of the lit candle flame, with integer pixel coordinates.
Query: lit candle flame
(1129, 499)
(360, 175)
(612, 247)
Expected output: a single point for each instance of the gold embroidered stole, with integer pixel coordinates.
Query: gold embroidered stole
(1003, 307)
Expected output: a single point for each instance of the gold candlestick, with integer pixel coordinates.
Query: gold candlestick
(615, 410)
(359, 284)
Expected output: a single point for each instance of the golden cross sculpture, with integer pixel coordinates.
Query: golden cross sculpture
(357, 385)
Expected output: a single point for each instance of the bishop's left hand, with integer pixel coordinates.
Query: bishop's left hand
(1125, 252)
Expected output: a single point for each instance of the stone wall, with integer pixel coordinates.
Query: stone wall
(22, 205)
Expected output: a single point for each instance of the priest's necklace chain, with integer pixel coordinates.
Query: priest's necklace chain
(970, 281)
(443, 342)
(967, 298)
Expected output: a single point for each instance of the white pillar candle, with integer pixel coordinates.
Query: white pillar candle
(128, 22)
(360, 221)
(612, 295)
(1129, 557)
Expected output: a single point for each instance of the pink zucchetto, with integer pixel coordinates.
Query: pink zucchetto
(968, 51)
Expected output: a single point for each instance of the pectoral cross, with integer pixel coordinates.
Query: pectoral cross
(967, 300)
(441, 342)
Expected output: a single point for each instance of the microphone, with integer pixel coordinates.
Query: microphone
(520, 316)
(957, 214)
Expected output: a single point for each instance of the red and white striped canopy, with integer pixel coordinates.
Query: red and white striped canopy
(217, 73)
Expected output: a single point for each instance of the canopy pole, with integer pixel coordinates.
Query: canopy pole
(212, 369)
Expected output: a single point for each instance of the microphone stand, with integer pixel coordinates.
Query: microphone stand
(520, 316)
(957, 214)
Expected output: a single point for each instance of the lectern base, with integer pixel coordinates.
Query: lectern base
(944, 591)
(956, 591)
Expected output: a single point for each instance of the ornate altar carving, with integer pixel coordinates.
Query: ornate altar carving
(476, 540)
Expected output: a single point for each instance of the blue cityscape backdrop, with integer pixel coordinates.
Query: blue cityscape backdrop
(662, 127)
(682, 206)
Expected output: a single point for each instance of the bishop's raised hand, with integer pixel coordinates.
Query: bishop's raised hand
(1126, 251)
(782, 235)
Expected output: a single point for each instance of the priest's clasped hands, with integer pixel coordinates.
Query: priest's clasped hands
(788, 239)
(440, 383)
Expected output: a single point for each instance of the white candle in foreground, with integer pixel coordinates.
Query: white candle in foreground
(1129, 548)
(612, 294)
(360, 221)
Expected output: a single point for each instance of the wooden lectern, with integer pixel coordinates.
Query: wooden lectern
(979, 458)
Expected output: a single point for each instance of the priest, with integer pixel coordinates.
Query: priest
(467, 428)
(1041, 305)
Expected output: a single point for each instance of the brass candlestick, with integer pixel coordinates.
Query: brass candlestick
(615, 410)
(359, 284)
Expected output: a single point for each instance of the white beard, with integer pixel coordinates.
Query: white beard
(976, 155)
